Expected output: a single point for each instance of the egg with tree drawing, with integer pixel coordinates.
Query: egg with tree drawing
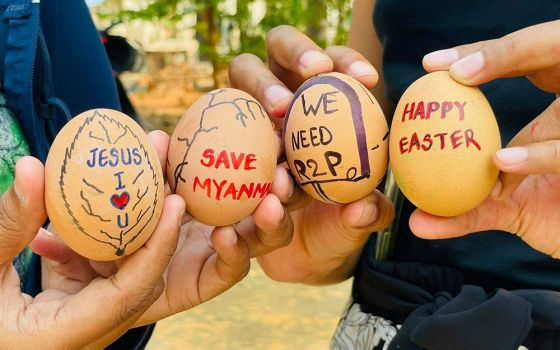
(104, 185)
(222, 157)
(443, 136)
(336, 139)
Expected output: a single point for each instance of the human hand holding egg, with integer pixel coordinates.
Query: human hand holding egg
(207, 260)
(55, 317)
(527, 197)
(327, 237)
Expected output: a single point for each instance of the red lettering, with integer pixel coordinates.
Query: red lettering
(441, 139)
(208, 153)
(420, 111)
(429, 141)
(455, 137)
(402, 144)
(251, 158)
(222, 159)
(432, 107)
(469, 137)
(236, 161)
(248, 190)
(262, 190)
(206, 185)
(408, 111)
(446, 107)
(461, 107)
(231, 191)
(414, 141)
(219, 188)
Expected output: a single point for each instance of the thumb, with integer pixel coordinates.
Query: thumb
(492, 214)
(372, 213)
(22, 209)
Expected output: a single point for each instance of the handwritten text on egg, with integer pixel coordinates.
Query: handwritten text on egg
(419, 111)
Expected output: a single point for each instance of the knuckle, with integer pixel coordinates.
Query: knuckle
(508, 45)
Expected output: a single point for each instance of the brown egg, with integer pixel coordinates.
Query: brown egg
(222, 157)
(335, 137)
(443, 136)
(104, 185)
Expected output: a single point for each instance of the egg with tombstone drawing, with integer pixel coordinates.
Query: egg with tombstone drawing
(222, 157)
(104, 185)
(443, 136)
(336, 139)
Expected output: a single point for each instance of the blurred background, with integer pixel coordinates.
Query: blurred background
(167, 53)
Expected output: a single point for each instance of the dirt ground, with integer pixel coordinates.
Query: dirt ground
(258, 314)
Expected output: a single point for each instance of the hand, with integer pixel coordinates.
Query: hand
(327, 238)
(527, 195)
(207, 262)
(98, 313)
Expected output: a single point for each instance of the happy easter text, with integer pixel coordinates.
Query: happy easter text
(445, 140)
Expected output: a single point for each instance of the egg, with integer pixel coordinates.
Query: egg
(103, 185)
(336, 139)
(443, 136)
(222, 157)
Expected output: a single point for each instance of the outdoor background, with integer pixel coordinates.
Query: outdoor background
(184, 47)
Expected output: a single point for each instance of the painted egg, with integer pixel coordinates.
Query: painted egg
(104, 185)
(222, 157)
(336, 139)
(443, 136)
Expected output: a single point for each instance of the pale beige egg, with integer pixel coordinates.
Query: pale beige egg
(104, 185)
(222, 157)
(443, 136)
(336, 139)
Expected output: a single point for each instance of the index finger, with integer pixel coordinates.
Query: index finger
(517, 54)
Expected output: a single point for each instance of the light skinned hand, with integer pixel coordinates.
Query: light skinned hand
(327, 238)
(525, 200)
(98, 313)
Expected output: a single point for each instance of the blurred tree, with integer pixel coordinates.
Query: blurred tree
(326, 22)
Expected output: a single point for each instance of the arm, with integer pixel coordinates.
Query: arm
(364, 40)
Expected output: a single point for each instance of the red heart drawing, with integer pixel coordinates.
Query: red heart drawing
(120, 201)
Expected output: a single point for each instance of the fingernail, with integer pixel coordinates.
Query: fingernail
(441, 58)
(513, 155)
(369, 214)
(359, 69)
(17, 189)
(311, 57)
(468, 67)
(276, 93)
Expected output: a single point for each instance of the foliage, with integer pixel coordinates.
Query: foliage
(326, 22)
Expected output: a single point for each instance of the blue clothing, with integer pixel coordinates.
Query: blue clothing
(63, 70)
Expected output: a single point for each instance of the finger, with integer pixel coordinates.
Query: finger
(545, 127)
(293, 57)
(443, 59)
(229, 266)
(352, 63)
(50, 246)
(275, 227)
(517, 54)
(22, 209)
(290, 195)
(160, 140)
(536, 158)
(490, 215)
(371, 213)
(248, 73)
(133, 288)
